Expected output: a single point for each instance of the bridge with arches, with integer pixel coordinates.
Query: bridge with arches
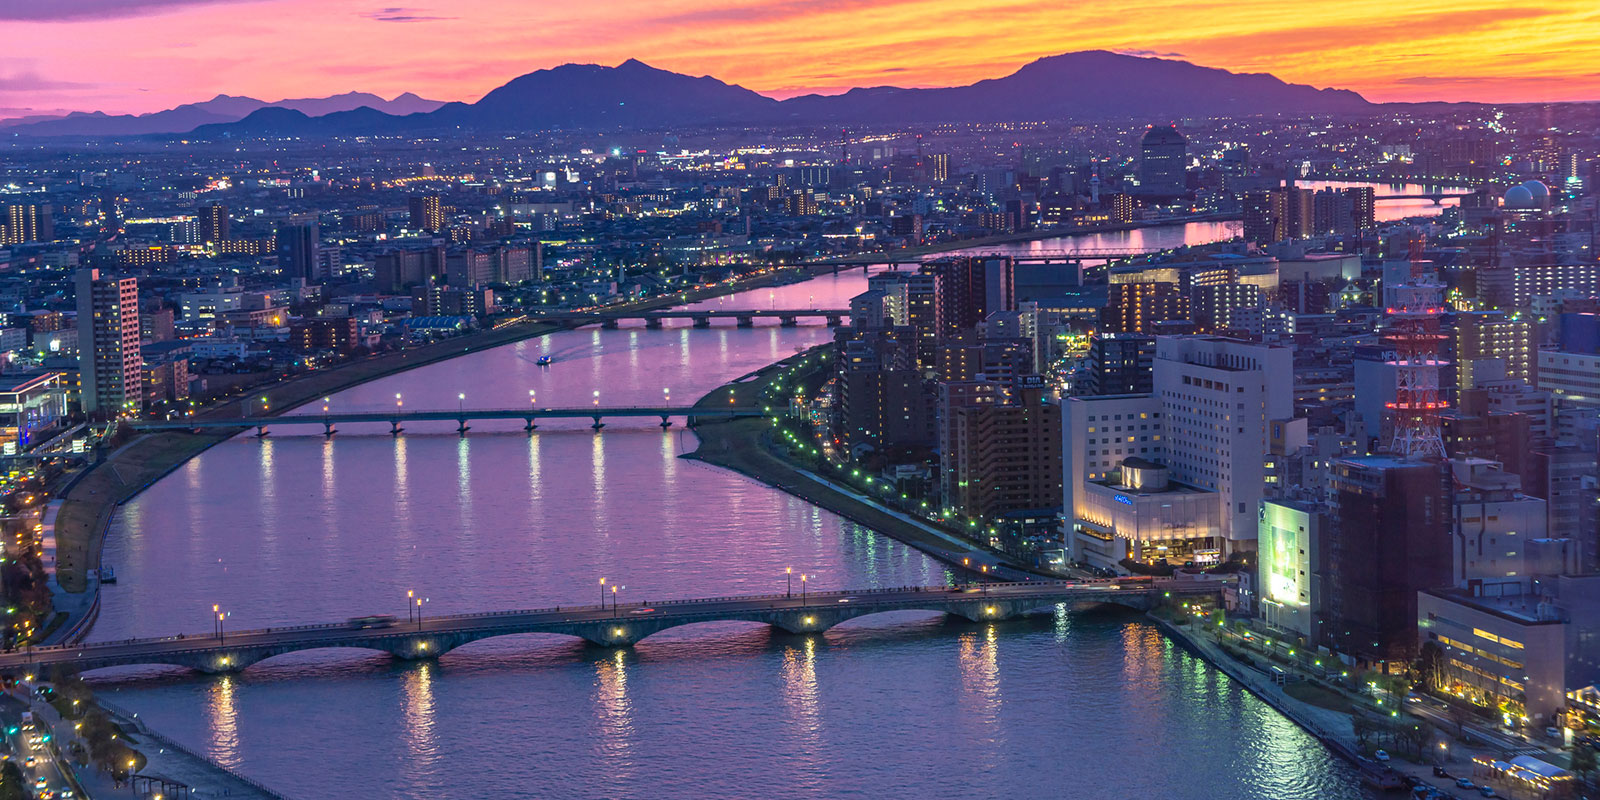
(612, 625)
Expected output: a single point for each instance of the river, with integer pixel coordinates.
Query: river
(297, 528)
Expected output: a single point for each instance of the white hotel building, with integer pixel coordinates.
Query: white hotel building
(1207, 423)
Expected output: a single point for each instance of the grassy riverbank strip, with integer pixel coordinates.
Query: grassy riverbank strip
(742, 446)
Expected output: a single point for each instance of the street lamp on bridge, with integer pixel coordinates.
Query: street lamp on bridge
(410, 597)
(397, 403)
(802, 588)
(788, 577)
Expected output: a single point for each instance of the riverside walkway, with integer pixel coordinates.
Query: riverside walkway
(612, 625)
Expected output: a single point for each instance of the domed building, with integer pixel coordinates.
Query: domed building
(1163, 156)
(1528, 196)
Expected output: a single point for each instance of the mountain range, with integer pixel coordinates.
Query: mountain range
(220, 109)
(1094, 84)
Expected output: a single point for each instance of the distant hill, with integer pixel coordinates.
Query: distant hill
(1093, 84)
(588, 95)
(1088, 84)
(220, 109)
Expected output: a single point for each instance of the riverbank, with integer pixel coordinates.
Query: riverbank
(742, 446)
(88, 506)
(911, 253)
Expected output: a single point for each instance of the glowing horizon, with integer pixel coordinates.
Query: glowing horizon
(137, 56)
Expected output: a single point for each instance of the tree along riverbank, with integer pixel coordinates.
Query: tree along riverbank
(745, 446)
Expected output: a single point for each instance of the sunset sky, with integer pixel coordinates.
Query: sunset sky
(125, 56)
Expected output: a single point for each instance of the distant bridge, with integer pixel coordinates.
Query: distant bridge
(608, 625)
(702, 319)
(529, 415)
(1018, 256)
(1437, 197)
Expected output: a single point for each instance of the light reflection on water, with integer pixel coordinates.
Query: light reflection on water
(295, 529)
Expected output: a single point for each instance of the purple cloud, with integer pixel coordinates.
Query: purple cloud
(73, 10)
(402, 15)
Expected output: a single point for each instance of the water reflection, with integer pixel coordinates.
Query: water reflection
(224, 719)
(614, 714)
(418, 712)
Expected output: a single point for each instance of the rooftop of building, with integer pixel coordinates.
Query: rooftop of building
(23, 381)
(1523, 609)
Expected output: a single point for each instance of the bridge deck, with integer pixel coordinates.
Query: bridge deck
(336, 418)
(620, 625)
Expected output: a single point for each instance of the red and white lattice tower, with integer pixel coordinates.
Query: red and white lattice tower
(1413, 312)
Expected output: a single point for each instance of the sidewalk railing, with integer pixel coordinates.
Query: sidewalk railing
(149, 733)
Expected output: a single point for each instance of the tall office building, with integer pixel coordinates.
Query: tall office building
(297, 250)
(214, 223)
(426, 213)
(111, 372)
(27, 222)
(1120, 363)
(1163, 155)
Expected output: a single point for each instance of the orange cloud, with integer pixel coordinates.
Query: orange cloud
(159, 53)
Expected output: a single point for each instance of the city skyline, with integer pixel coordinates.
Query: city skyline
(165, 53)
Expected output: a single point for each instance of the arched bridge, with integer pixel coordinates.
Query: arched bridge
(610, 625)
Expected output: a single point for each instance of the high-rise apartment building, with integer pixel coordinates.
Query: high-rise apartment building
(1008, 456)
(214, 223)
(1389, 539)
(426, 213)
(1141, 307)
(27, 222)
(110, 369)
(1266, 216)
(297, 245)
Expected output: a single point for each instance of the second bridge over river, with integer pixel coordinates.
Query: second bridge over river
(606, 625)
(396, 417)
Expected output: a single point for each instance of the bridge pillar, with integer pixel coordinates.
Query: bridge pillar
(328, 429)
(665, 423)
(653, 323)
(616, 634)
(261, 431)
(805, 620)
(461, 426)
(983, 610)
(610, 323)
(835, 321)
(394, 427)
(597, 423)
(530, 427)
(746, 322)
(788, 322)
(702, 322)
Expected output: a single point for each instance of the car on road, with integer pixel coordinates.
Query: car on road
(1463, 783)
(1381, 755)
(41, 784)
(1487, 791)
(643, 611)
(30, 762)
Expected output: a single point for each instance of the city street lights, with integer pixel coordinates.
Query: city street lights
(802, 588)
(397, 403)
(985, 583)
(788, 577)
(531, 401)
(220, 615)
(325, 402)
(410, 596)
(614, 611)
(420, 601)
(602, 592)
(461, 402)
(597, 397)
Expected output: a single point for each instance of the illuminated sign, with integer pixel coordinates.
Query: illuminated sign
(1124, 499)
